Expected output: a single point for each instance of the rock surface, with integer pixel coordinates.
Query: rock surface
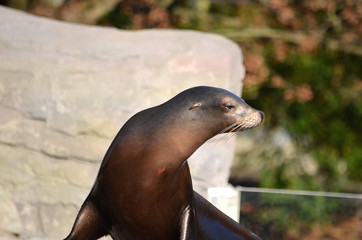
(66, 89)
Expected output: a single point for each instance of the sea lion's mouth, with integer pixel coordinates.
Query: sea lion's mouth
(251, 121)
(238, 127)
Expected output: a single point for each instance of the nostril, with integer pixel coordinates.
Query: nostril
(262, 116)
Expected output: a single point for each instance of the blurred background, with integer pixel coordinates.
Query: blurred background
(303, 70)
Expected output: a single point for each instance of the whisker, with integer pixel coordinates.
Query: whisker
(240, 126)
(236, 127)
(231, 131)
(228, 128)
(225, 137)
(229, 136)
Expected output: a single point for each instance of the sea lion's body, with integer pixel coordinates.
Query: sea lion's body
(143, 189)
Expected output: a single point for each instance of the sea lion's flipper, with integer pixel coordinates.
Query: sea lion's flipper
(213, 224)
(88, 224)
(187, 224)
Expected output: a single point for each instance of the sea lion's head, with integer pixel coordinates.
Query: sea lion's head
(182, 124)
(213, 110)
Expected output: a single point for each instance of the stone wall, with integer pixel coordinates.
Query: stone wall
(66, 89)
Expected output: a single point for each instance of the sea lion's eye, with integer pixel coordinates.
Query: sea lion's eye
(229, 107)
(195, 105)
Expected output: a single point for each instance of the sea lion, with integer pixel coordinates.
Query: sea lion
(143, 189)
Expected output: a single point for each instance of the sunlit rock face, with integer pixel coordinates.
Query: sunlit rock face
(66, 89)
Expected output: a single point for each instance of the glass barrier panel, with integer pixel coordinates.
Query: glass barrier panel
(281, 214)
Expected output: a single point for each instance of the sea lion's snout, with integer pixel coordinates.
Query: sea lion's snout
(243, 118)
(253, 119)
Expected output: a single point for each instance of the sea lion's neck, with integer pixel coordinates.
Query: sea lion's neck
(157, 141)
(185, 143)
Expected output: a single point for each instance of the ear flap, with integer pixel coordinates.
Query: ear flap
(195, 105)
